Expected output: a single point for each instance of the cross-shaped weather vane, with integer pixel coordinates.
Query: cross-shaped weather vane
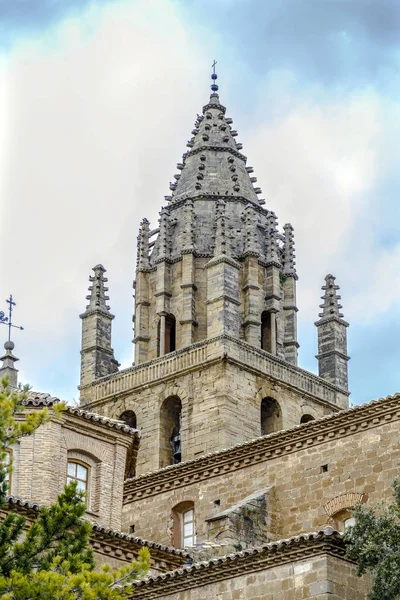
(8, 320)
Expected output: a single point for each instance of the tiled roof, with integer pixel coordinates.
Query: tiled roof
(38, 399)
(254, 559)
(106, 531)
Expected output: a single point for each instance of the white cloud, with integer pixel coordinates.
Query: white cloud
(321, 157)
(98, 115)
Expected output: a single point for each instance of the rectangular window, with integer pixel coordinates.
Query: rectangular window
(79, 473)
(189, 538)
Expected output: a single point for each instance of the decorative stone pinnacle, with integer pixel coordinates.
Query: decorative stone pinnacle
(188, 232)
(8, 368)
(289, 263)
(220, 233)
(163, 235)
(272, 240)
(330, 306)
(97, 296)
(251, 241)
(143, 245)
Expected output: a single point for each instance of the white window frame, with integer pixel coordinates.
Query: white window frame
(188, 529)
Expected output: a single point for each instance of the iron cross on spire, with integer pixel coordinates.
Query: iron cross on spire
(214, 76)
(8, 320)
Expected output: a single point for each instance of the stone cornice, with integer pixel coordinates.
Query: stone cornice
(339, 425)
(206, 352)
(324, 320)
(326, 542)
(216, 149)
(180, 201)
(332, 353)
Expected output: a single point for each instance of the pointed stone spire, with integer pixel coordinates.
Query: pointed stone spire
(332, 337)
(214, 163)
(143, 245)
(330, 305)
(289, 263)
(8, 367)
(97, 296)
(220, 230)
(251, 241)
(188, 231)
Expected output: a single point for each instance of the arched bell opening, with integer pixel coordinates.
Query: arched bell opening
(271, 416)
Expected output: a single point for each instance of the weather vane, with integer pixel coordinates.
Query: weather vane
(214, 76)
(8, 320)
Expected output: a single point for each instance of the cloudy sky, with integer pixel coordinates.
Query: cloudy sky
(97, 101)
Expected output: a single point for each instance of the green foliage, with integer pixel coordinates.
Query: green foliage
(374, 543)
(51, 559)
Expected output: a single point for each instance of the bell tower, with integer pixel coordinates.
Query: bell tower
(215, 324)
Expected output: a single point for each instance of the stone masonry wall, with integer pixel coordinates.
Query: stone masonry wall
(221, 407)
(305, 473)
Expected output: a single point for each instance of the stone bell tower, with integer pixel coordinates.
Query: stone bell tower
(215, 314)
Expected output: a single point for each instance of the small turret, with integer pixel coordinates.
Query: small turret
(332, 337)
(8, 367)
(97, 356)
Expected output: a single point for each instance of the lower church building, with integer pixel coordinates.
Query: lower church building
(241, 467)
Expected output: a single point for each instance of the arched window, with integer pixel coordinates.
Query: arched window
(170, 334)
(129, 418)
(306, 418)
(79, 472)
(266, 340)
(343, 519)
(170, 432)
(184, 533)
(271, 416)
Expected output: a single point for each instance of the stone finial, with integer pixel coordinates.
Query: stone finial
(289, 263)
(220, 229)
(97, 296)
(188, 227)
(330, 306)
(272, 255)
(251, 239)
(143, 245)
(8, 368)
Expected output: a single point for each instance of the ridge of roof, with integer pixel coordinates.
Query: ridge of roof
(38, 399)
